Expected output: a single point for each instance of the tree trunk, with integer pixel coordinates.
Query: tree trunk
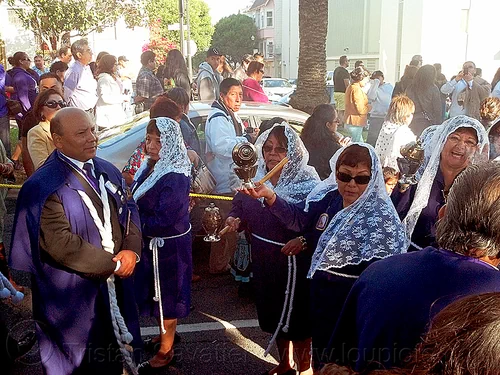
(313, 27)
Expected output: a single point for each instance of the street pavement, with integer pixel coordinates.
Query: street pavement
(220, 337)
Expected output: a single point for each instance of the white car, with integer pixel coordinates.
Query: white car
(117, 144)
(275, 88)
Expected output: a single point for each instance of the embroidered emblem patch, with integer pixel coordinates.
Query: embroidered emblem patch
(322, 222)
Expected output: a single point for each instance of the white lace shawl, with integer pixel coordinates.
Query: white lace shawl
(433, 140)
(173, 156)
(369, 228)
(297, 179)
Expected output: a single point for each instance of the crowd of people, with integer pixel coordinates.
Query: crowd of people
(351, 270)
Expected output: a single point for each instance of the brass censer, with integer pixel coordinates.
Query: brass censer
(245, 158)
(211, 222)
(413, 157)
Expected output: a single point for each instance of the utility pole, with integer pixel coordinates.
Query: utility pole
(181, 24)
(188, 44)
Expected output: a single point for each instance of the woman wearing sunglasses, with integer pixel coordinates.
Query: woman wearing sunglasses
(40, 144)
(287, 319)
(252, 90)
(350, 221)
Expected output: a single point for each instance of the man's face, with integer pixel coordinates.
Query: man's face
(78, 140)
(122, 63)
(50, 83)
(469, 68)
(233, 98)
(66, 58)
(214, 62)
(85, 57)
(39, 62)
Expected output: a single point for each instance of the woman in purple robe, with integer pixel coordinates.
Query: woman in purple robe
(163, 277)
(449, 149)
(281, 287)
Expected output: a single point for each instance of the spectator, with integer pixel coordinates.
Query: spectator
(440, 81)
(64, 55)
(4, 112)
(252, 90)
(181, 98)
(321, 138)
(93, 65)
(359, 63)
(490, 111)
(126, 78)
(395, 132)
(405, 81)
(39, 67)
(356, 104)
(427, 98)
(209, 78)
(59, 68)
(379, 96)
(39, 139)
(224, 68)
(341, 81)
(495, 84)
(467, 92)
(380, 323)
(257, 56)
(147, 86)
(109, 109)
(47, 81)
(175, 73)
(391, 177)
(416, 61)
(241, 71)
(80, 87)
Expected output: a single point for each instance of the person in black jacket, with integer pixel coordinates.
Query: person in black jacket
(321, 138)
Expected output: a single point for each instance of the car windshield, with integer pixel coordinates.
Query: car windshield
(276, 83)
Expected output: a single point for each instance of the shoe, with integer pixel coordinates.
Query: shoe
(19, 348)
(145, 368)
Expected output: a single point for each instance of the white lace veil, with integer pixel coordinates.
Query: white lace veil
(297, 179)
(369, 228)
(173, 156)
(433, 142)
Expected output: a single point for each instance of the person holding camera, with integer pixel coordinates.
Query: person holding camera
(467, 92)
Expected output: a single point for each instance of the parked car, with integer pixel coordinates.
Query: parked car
(117, 144)
(293, 82)
(275, 88)
(329, 77)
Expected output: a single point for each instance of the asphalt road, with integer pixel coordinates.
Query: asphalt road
(220, 337)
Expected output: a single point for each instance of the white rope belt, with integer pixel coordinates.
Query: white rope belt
(415, 245)
(289, 294)
(154, 244)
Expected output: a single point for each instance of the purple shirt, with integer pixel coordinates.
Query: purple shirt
(4, 81)
(26, 87)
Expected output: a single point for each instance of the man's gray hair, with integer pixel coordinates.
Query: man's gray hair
(471, 224)
(79, 46)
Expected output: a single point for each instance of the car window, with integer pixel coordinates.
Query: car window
(276, 83)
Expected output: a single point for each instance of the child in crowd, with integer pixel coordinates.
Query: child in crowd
(391, 177)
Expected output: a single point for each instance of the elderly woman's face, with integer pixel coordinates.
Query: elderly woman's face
(459, 148)
(153, 146)
(273, 152)
(349, 188)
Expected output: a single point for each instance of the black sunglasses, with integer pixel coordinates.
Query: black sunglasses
(54, 103)
(360, 180)
(278, 150)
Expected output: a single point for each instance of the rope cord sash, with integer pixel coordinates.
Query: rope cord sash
(289, 294)
(154, 244)
(120, 329)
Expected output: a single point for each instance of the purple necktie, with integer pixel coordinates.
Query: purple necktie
(87, 167)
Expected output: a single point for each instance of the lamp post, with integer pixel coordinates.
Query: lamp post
(188, 44)
(181, 24)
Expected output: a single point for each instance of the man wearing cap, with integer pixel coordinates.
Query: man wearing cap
(208, 78)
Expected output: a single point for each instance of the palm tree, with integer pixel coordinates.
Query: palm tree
(313, 27)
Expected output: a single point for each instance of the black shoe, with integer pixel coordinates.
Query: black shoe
(19, 348)
(145, 368)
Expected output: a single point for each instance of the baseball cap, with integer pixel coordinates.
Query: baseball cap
(122, 58)
(212, 51)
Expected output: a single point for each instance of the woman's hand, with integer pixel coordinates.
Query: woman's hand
(233, 224)
(259, 191)
(293, 247)
(344, 141)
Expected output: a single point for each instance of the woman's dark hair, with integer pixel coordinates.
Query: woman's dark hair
(106, 65)
(471, 225)
(40, 100)
(353, 156)
(147, 56)
(315, 132)
(165, 107)
(409, 73)
(496, 79)
(254, 67)
(100, 55)
(390, 173)
(279, 133)
(377, 74)
(358, 74)
(16, 59)
(268, 124)
(227, 83)
(425, 77)
(179, 96)
(152, 128)
(58, 66)
(174, 64)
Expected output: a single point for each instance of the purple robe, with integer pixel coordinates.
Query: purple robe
(391, 304)
(270, 268)
(26, 87)
(164, 213)
(71, 311)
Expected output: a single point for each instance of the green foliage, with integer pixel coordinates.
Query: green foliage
(50, 20)
(233, 36)
(198, 58)
(167, 11)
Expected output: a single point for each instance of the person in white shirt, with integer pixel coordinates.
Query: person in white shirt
(109, 109)
(379, 96)
(467, 92)
(395, 131)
